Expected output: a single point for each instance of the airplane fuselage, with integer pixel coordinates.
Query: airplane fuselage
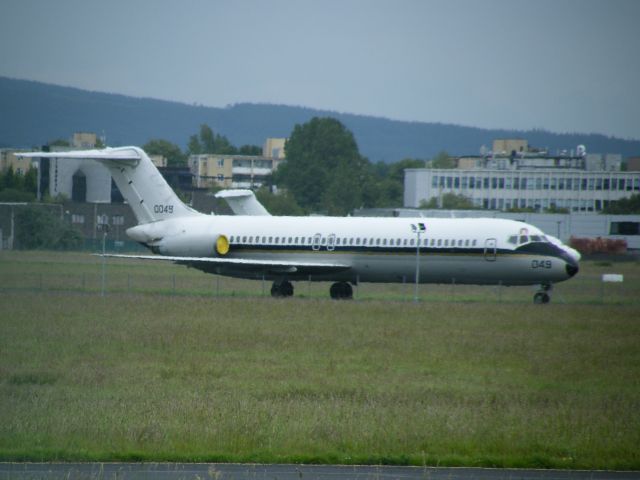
(464, 251)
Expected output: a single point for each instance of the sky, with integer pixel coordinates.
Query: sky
(559, 65)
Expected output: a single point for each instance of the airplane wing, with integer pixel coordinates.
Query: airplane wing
(268, 266)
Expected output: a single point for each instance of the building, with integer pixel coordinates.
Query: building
(8, 159)
(520, 177)
(274, 148)
(232, 171)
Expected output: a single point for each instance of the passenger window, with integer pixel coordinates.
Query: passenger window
(264, 239)
(411, 242)
(290, 239)
(446, 242)
(426, 242)
(460, 242)
(276, 240)
(474, 242)
(384, 241)
(466, 242)
(377, 241)
(358, 241)
(439, 242)
(405, 242)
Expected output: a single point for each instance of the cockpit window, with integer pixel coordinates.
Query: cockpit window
(535, 238)
(513, 239)
(524, 239)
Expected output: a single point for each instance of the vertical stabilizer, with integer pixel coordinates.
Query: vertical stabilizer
(141, 184)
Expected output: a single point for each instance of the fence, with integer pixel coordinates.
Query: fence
(180, 281)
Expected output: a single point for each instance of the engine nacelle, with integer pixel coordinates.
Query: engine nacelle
(190, 245)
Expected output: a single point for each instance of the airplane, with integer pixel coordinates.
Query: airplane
(343, 250)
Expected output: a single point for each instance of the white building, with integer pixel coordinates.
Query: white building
(516, 176)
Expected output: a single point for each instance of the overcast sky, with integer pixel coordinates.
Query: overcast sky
(561, 65)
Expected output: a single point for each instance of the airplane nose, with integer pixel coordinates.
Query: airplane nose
(572, 268)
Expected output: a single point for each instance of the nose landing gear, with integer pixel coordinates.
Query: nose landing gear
(543, 296)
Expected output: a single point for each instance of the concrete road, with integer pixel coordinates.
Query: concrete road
(175, 471)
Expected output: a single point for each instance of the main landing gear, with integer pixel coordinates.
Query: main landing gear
(338, 291)
(543, 296)
(341, 291)
(281, 289)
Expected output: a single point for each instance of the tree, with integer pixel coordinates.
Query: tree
(624, 206)
(441, 160)
(60, 142)
(39, 228)
(210, 142)
(170, 151)
(207, 139)
(324, 170)
(250, 150)
(194, 147)
(450, 201)
(279, 204)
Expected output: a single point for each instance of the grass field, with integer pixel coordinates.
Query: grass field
(470, 376)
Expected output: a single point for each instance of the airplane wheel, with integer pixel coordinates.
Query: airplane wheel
(281, 289)
(341, 291)
(541, 298)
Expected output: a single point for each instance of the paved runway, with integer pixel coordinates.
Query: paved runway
(217, 471)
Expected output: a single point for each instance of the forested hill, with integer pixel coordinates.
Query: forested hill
(33, 113)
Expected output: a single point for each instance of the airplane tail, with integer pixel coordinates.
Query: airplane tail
(141, 184)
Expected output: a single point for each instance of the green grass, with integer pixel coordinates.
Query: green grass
(191, 377)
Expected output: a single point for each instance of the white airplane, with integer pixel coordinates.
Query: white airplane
(346, 250)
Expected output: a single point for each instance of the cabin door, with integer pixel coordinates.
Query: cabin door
(490, 249)
(317, 238)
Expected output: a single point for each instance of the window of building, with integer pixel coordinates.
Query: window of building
(115, 220)
(77, 218)
(102, 219)
(434, 181)
(624, 228)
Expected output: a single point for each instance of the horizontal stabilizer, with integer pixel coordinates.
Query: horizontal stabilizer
(243, 202)
(105, 154)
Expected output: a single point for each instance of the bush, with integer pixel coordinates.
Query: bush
(38, 228)
(588, 246)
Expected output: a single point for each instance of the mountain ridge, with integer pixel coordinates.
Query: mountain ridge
(34, 113)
